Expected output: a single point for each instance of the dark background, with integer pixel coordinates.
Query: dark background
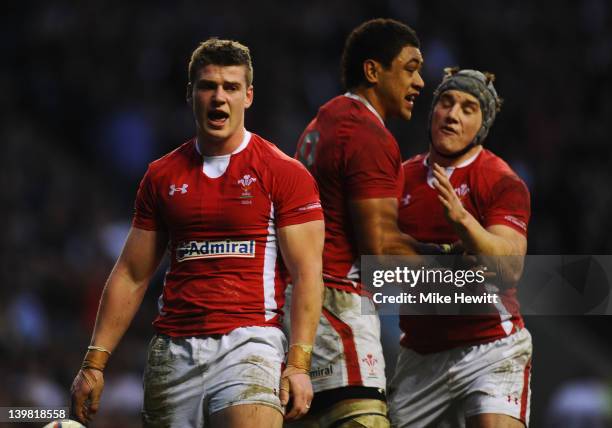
(92, 92)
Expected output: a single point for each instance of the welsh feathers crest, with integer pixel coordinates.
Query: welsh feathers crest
(246, 182)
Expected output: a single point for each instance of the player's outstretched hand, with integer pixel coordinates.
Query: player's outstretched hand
(299, 388)
(453, 208)
(85, 394)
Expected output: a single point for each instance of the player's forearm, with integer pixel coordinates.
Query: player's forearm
(383, 237)
(500, 254)
(477, 240)
(119, 303)
(306, 303)
(394, 242)
(398, 243)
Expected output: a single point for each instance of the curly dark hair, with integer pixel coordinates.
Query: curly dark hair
(378, 39)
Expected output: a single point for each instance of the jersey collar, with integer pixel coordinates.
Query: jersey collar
(245, 142)
(461, 165)
(449, 169)
(365, 103)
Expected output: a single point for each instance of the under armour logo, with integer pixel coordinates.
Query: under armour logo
(182, 189)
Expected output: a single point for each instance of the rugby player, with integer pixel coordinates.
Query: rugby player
(466, 370)
(226, 205)
(357, 164)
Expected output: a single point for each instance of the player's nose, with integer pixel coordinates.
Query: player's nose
(418, 81)
(219, 95)
(453, 113)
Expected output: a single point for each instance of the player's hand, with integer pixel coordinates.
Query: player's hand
(431, 249)
(300, 390)
(428, 248)
(85, 394)
(453, 208)
(454, 248)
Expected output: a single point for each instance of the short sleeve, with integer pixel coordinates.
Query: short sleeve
(146, 215)
(295, 195)
(373, 166)
(509, 204)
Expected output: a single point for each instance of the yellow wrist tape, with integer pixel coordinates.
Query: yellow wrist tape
(95, 359)
(299, 356)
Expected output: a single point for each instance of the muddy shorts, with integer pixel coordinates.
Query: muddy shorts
(347, 349)
(187, 379)
(444, 388)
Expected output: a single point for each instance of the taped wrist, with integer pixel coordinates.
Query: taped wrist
(298, 362)
(299, 356)
(95, 359)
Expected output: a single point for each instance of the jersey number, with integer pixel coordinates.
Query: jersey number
(307, 149)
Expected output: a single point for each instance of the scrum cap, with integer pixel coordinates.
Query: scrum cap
(476, 83)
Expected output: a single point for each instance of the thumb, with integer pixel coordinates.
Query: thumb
(284, 391)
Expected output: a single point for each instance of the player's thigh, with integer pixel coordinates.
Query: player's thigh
(173, 386)
(358, 413)
(419, 393)
(247, 415)
(365, 421)
(355, 413)
(306, 421)
(249, 372)
(493, 420)
(502, 386)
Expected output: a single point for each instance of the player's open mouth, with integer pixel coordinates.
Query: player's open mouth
(411, 98)
(217, 118)
(448, 130)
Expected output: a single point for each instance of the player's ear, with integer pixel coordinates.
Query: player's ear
(370, 70)
(189, 94)
(249, 97)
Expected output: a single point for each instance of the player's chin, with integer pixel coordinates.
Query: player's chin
(406, 114)
(444, 146)
(216, 133)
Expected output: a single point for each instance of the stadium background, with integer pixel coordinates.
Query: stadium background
(92, 92)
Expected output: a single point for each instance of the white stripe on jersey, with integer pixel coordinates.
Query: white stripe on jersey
(269, 270)
(504, 315)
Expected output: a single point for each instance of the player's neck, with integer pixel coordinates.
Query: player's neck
(211, 146)
(369, 94)
(435, 157)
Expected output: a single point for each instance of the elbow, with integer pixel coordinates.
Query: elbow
(374, 249)
(516, 274)
(511, 275)
(510, 279)
(374, 245)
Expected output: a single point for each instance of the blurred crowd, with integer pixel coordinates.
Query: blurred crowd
(92, 92)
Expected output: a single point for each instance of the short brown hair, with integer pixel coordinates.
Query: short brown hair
(220, 52)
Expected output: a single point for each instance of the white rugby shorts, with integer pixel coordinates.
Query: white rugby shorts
(347, 349)
(187, 379)
(443, 389)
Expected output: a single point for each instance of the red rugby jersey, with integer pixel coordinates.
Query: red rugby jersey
(493, 194)
(225, 265)
(352, 156)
